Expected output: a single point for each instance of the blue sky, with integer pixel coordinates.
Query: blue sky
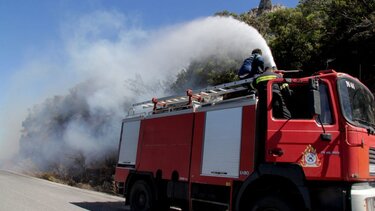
(27, 25)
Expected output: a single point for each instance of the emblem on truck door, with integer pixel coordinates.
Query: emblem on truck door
(310, 158)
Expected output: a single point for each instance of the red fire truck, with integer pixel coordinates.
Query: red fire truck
(207, 150)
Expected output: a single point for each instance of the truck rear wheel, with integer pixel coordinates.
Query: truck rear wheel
(271, 203)
(141, 197)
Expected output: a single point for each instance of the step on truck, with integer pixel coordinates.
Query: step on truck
(206, 150)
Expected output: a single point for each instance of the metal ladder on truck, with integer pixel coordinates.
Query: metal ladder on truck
(196, 98)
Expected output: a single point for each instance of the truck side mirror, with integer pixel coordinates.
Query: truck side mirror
(314, 97)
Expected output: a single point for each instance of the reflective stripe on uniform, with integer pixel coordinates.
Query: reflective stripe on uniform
(284, 85)
(265, 78)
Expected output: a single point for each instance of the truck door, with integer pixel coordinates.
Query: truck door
(299, 139)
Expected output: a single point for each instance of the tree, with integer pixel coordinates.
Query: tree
(202, 73)
(319, 34)
(350, 37)
(296, 38)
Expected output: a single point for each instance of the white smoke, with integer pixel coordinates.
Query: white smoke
(106, 63)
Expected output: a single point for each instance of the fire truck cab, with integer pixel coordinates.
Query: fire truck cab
(214, 149)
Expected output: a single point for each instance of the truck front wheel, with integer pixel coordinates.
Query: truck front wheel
(271, 203)
(141, 197)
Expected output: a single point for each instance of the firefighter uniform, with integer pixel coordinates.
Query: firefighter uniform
(280, 109)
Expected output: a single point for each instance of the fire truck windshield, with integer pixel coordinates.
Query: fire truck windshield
(357, 103)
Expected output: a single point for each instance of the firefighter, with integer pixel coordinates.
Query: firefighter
(280, 109)
(252, 66)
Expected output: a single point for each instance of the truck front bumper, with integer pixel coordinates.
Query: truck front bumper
(363, 196)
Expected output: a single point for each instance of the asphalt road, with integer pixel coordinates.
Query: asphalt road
(20, 192)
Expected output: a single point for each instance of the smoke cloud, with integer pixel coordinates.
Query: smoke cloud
(79, 93)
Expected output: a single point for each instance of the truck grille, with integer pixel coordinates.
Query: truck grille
(372, 160)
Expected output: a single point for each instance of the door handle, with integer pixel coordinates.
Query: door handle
(276, 152)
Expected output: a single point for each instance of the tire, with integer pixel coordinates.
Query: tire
(141, 197)
(271, 203)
